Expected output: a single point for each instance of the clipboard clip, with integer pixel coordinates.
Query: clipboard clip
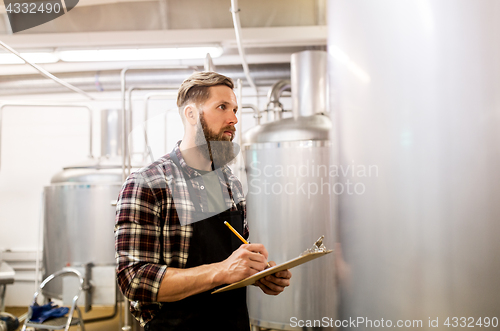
(318, 247)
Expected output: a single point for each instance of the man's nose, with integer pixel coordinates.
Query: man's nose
(233, 119)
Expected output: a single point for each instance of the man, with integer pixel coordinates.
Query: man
(172, 246)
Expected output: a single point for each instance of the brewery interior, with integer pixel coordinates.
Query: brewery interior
(372, 123)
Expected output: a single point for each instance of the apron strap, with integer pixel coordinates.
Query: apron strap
(192, 194)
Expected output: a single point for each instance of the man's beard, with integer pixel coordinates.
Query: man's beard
(216, 147)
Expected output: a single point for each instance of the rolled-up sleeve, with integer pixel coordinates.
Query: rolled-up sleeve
(138, 241)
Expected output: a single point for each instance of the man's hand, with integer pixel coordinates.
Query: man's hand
(275, 284)
(244, 262)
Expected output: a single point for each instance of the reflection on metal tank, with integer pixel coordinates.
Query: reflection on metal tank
(422, 243)
(289, 204)
(79, 216)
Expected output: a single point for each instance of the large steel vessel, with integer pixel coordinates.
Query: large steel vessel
(79, 216)
(289, 198)
(421, 245)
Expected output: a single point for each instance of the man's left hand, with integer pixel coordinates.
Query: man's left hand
(275, 284)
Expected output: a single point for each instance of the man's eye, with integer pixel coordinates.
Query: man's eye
(222, 107)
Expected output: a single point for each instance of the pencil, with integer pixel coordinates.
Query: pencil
(239, 236)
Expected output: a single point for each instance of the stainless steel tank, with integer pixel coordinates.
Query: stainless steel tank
(421, 246)
(289, 200)
(79, 215)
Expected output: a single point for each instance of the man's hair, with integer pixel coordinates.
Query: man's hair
(196, 87)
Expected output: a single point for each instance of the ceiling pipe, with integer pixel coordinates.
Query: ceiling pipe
(45, 73)
(235, 11)
(109, 80)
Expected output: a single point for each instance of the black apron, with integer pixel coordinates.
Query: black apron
(211, 242)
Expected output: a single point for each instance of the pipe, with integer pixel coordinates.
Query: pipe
(146, 116)
(235, 11)
(111, 133)
(256, 111)
(39, 240)
(273, 97)
(104, 318)
(239, 91)
(123, 83)
(126, 318)
(108, 317)
(309, 83)
(87, 286)
(47, 74)
(128, 125)
(209, 64)
(239, 88)
(48, 105)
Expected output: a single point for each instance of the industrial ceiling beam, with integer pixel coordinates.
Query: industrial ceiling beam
(253, 37)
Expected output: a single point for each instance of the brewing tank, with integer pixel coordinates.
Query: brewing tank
(289, 201)
(421, 245)
(79, 214)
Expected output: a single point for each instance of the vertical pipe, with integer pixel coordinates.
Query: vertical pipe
(39, 242)
(235, 12)
(240, 125)
(111, 132)
(309, 83)
(146, 116)
(415, 87)
(123, 83)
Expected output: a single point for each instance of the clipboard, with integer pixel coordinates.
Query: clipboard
(318, 250)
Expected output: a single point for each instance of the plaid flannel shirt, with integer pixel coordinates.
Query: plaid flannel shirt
(147, 197)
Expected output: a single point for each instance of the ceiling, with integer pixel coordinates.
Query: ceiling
(271, 31)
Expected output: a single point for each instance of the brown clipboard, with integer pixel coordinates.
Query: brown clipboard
(283, 266)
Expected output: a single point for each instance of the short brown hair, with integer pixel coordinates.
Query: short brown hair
(196, 87)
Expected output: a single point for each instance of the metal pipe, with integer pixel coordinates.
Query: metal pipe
(277, 90)
(239, 88)
(264, 75)
(209, 64)
(87, 286)
(146, 115)
(309, 83)
(108, 317)
(126, 317)
(255, 110)
(123, 82)
(47, 105)
(235, 11)
(45, 73)
(111, 133)
(39, 240)
(128, 127)
(274, 105)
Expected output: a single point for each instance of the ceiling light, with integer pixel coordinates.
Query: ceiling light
(34, 57)
(143, 54)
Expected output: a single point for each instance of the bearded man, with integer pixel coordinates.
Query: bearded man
(172, 246)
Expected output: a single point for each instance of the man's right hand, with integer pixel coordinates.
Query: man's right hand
(244, 262)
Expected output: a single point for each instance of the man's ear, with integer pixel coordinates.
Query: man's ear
(191, 114)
